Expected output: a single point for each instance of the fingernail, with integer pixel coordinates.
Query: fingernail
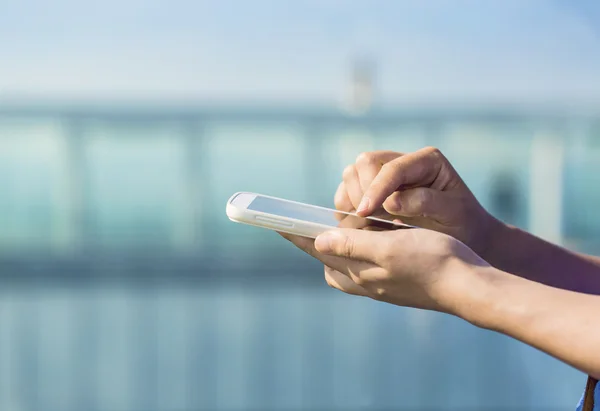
(364, 205)
(323, 243)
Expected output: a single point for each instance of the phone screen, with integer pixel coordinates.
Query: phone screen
(318, 215)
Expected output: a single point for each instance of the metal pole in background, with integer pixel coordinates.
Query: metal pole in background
(546, 185)
(76, 170)
(196, 183)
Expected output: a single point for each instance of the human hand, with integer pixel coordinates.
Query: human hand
(415, 267)
(420, 188)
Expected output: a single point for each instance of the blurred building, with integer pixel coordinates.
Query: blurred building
(361, 93)
(125, 287)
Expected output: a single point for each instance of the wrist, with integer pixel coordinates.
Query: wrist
(477, 295)
(496, 235)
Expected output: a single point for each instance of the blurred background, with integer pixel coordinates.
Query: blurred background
(126, 125)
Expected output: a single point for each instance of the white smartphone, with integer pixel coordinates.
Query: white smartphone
(298, 218)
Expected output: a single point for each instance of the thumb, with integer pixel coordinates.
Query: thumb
(351, 243)
(420, 202)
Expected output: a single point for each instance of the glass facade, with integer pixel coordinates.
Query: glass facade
(127, 288)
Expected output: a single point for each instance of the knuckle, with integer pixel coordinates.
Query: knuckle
(387, 254)
(445, 245)
(339, 197)
(380, 293)
(388, 167)
(434, 152)
(422, 198)
(338, 203)
(347, 247)
(349, 172)
(366, 158)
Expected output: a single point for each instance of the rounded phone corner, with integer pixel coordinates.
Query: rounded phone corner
(233, 213)
(233, 196)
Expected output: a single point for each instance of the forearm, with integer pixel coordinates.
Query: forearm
(561, 323)
(523, 254)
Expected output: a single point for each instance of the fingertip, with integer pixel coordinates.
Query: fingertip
(364, 207)
(363, 213)
(323, 243)
(326, 243)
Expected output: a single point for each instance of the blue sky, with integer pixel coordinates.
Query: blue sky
(428, 50)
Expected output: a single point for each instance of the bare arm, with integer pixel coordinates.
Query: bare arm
(523, 254)
(562, 323)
